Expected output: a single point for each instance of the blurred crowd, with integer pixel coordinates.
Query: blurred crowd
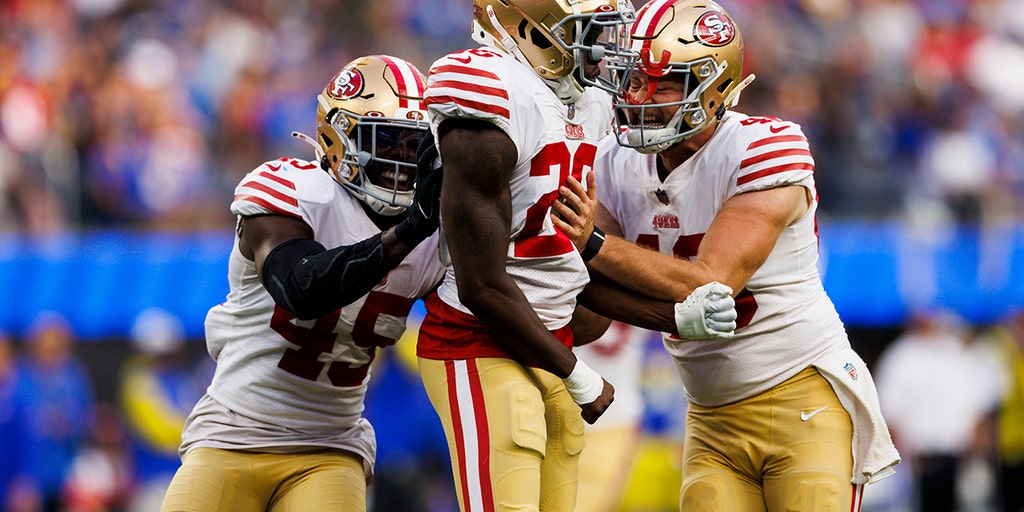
(146, 113)
(66, 448)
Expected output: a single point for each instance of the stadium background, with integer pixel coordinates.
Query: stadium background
(125, 124)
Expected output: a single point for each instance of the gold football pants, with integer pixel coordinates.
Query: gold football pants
(514, 434)
(788, 449)
(210, 480)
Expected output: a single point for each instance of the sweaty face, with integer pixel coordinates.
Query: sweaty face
(394, 155)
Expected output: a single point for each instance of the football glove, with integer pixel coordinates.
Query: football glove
(423, 216)
(708, 312)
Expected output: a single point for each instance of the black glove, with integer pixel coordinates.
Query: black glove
(423, 216)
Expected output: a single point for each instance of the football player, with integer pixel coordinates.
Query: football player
(783, 415)
(281, 425)
(514, 119)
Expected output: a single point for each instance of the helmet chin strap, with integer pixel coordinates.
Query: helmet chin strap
(734, 95)
(506, 42)
(309, 140)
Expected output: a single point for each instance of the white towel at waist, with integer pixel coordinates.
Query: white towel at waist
(874, 455)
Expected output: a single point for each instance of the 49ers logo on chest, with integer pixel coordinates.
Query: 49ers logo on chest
(574, 131)
(347, 83)
(665, 221)
(714, 29)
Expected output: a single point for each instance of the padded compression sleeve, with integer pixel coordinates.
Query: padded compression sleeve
(309, 281)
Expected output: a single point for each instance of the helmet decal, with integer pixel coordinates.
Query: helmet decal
(348, 83)
(714, 29)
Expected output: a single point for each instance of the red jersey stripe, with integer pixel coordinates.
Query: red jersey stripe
(273, 177)
(780, 153)
(798, 166)
(276, 194)
(471, 87)
(475, 105)
(776, 140)
(462, 70)
(267, 204)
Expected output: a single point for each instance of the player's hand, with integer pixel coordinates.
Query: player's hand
(424, 215)
(573, 212)
(592, 411)
(708, 312)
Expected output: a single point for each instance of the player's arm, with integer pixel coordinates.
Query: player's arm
(709, 311)
(309, 280)
(736, 244)
(476, 207)
(587, 325)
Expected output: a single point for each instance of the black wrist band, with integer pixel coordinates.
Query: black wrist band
(594, 244)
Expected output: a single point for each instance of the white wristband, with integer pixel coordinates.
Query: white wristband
(584, 384)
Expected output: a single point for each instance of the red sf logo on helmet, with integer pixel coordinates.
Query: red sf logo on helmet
(714, 29)
(346, 84)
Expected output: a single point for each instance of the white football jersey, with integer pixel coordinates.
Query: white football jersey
(785, 318)
(554, 140)
(283, 384)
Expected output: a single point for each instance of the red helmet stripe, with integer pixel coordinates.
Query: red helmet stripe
(649, 16)
(404, 76)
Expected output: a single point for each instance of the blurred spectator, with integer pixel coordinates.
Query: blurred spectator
(937, 389)
(1010, 420)
(54, 400)
(159, 386)
(100, 477)
(9, 436)
(606, 464)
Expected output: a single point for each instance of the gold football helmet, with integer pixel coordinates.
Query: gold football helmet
(694, 42)
(369, 121)
(556, 37)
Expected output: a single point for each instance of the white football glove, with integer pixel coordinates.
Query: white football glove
(708, 312)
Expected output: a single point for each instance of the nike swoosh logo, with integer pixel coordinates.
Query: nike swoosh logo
(804, 416)
(776, 129)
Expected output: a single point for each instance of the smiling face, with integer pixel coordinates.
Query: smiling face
(370, 120)
(393, 164)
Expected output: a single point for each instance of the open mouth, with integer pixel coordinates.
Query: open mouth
(649, 123)
(396, 181)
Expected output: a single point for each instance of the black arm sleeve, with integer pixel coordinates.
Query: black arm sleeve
(309, 281)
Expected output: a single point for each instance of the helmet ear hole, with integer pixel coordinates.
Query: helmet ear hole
(328, 142)
(725, 85)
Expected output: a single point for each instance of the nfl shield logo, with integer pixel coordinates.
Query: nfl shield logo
(851, 369)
